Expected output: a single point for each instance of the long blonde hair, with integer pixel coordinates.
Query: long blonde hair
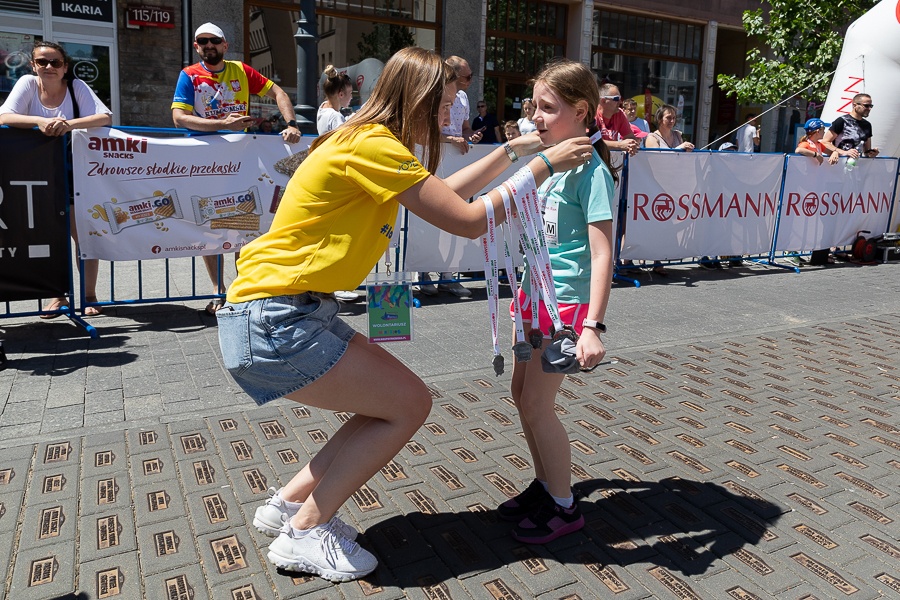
(575, 83)
(407, 100)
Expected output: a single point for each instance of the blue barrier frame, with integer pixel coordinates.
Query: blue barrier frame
(399, 252)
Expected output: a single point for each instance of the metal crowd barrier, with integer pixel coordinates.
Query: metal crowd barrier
(177, 279)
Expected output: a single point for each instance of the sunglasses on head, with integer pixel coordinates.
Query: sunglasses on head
(202, 41)
(49, 62)
(613, 98)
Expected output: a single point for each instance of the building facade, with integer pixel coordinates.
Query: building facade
(655, 51)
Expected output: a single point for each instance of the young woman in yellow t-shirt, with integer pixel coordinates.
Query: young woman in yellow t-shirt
(279, 332)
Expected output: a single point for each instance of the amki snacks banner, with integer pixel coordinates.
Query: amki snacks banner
(140, 197)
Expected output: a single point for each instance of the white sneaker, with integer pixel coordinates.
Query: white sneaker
(346, 296)
(271, 518)
(454, 288)
(323, 551)
(425, 287)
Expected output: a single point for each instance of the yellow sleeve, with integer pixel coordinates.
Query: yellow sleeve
(382, 166)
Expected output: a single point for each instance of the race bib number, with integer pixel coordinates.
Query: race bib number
(551, 224)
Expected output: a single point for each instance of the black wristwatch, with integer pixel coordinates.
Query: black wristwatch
(293, 123)
(594, 325)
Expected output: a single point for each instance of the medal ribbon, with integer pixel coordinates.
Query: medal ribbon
(533, 242)
(508, 240)
(491, 272)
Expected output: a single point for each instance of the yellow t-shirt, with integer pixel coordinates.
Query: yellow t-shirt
(334, 221)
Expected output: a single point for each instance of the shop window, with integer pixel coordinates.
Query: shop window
(15, 59)
(654, 61)
(30, 7)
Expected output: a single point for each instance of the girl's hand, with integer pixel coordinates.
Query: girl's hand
(589, 350)
(569, 154)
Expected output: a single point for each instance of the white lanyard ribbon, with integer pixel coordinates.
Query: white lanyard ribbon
(534, 243)
(508, 242)
(530, 229)
(491, 274)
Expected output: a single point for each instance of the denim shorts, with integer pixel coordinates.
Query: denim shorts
(275, 346)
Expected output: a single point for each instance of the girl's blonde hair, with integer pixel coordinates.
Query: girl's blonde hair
(407, 100)
(575, 83)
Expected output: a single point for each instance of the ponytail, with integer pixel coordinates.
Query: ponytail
(603, 150)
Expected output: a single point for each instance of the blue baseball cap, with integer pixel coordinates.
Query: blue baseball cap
(815, 124)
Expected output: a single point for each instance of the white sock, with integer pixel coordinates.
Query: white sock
(564, 502)
(298, 533)
(289, 504)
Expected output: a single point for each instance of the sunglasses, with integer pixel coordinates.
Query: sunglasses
(866, 105)
(44, 62)
(210, 40)
(481, 106)
(613, 98)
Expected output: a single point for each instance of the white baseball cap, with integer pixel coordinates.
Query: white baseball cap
(211, 29)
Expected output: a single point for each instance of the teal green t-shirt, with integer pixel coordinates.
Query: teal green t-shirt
(581, 196)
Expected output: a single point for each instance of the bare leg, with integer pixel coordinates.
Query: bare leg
(216, 272)
(534, 393)
(303, 483)
(91, 271)
(386, 418)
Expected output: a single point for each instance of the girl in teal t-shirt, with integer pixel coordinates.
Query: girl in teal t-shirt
(578, 224)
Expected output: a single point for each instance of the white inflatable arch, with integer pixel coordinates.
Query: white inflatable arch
(870, 64)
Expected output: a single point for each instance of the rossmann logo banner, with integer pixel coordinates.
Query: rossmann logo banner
(683, 204)
(140, 197)
(826, 205)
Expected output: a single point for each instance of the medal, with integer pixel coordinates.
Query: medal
(536, 338)
(522, 350)
(565, 332)
(498, 364)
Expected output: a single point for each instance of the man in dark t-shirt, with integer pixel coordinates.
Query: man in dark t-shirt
(486, 123)
(851, 134)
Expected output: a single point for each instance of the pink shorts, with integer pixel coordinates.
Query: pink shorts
(570, 314)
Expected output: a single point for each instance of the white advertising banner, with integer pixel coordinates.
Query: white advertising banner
(827, 205)
(140, 197)
(686, 204)
(432, 249)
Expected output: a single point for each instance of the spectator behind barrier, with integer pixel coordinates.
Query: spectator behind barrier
(338, 91)
(57, 103)
(214, 94)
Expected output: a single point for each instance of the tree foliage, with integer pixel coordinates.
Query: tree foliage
(799, 45)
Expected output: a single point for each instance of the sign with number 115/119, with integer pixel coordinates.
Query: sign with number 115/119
(151, 16)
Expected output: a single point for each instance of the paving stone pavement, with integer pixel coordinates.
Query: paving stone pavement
(746, 444)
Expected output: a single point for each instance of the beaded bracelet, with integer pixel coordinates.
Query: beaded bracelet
(547, 162)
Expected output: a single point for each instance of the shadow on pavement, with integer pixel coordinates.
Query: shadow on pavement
(681, 525)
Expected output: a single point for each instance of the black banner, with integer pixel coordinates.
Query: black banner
(34, 249)
(89, 10)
